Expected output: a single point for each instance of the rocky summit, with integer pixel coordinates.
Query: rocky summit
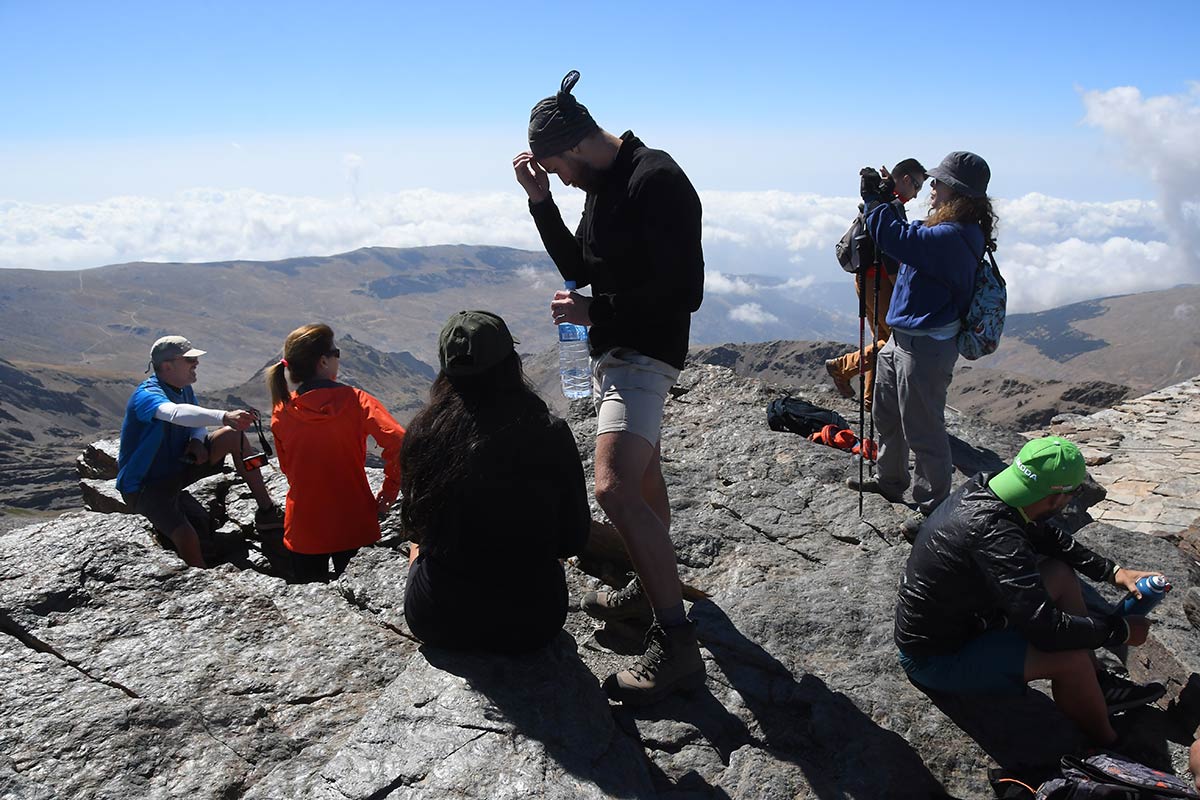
(129, 675)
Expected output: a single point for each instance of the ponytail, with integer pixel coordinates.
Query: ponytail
(302, 350)
(277, 384)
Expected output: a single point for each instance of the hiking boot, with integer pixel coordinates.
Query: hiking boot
(910, 528)
(627, 604)
(841, 384)
(872, 485)
(671, 663)
(1122, 694)
(268, 519)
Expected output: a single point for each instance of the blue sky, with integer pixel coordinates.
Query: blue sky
(209, 131)
(85, 79)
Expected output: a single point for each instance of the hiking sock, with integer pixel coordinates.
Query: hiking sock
(671, 616)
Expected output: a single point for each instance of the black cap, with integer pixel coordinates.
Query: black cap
(472, 342)
(965, 173)
(560, 122)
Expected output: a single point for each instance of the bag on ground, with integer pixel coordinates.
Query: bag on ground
(800, 416)
(1110, 777)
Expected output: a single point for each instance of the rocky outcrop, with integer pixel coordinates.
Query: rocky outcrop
(131, 675)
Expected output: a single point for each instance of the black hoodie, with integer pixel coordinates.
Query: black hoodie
(638, 246)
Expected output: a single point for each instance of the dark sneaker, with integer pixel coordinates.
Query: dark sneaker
(628, 603)
(841, 384)
(910, 528)
(871, 485)
(1122, 694)
(268, 519)
(671, 663)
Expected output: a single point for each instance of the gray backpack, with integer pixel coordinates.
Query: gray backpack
(1109, 777)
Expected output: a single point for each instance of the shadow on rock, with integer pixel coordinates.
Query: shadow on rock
(969, 459)
(482, 726)
(1021, 733)
(804, 739)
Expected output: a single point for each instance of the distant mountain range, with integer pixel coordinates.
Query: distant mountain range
(396, 299)
(73, 345)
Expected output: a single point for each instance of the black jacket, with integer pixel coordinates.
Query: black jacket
(974, 567)
(519, 507)
(638, 246)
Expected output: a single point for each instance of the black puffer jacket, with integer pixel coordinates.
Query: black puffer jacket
(974, 567)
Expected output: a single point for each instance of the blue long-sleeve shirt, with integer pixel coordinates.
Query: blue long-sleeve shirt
(937, 268)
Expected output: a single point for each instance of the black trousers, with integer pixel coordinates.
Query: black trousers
(310, 568)
(523, 612)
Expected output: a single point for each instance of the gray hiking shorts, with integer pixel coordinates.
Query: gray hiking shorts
(629, 390)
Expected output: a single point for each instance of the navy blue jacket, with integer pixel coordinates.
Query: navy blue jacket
(937, 267)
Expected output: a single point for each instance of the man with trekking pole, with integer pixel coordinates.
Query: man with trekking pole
(857, 253)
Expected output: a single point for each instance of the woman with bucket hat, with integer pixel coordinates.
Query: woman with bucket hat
(493, 488)
(938, 259)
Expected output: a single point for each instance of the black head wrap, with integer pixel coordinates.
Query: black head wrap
(560, 122)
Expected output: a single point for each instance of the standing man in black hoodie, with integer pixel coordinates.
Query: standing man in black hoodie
(638, 246)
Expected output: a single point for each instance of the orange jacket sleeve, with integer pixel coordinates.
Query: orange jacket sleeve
(389, 435)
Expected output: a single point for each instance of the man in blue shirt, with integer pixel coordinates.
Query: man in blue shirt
(165, 447)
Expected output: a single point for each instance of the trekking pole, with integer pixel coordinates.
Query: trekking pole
(861, 282)
(874, 352)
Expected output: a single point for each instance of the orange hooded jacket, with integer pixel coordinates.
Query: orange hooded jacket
(321, 438)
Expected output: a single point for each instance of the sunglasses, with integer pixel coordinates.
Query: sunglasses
(334, 353)
(188, 359)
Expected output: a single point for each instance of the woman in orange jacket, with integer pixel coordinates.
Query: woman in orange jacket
(321, 436)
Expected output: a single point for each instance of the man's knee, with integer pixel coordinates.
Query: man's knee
(614, 493)
(1057, 576)
(1062, 665)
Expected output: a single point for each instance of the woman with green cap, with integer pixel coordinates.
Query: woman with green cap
(493, 492)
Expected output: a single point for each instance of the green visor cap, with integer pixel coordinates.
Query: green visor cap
(472, 342)
(1047, 466)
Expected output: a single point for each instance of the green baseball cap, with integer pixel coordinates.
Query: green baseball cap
(1046, 466)
(472, 342)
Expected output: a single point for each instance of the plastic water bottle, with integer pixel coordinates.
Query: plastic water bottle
(574, 365)
(1153, 588)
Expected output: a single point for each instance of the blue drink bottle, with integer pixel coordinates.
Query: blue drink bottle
(1153, 588)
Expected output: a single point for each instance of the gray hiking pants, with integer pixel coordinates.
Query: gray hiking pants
(912, 374)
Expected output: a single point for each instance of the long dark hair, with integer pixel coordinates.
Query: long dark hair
(962, 209)
(302, 350)
(440, 445)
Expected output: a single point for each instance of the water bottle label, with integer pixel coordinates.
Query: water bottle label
(571, 333)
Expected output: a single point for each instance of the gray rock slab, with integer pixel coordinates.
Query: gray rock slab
(471, 726)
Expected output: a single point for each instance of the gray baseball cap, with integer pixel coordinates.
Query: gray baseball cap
(169, 347)
(965, 173)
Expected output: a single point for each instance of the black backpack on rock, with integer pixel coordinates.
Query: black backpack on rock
(800, 416)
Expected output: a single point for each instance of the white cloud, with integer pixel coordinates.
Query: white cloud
(533, 276)
(1161, 136)
(719, 283)
(752, 313)
(1052, 250)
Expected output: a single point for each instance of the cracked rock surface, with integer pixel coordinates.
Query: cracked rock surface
(129, 675)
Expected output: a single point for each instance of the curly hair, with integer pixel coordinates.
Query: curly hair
(963, 209)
